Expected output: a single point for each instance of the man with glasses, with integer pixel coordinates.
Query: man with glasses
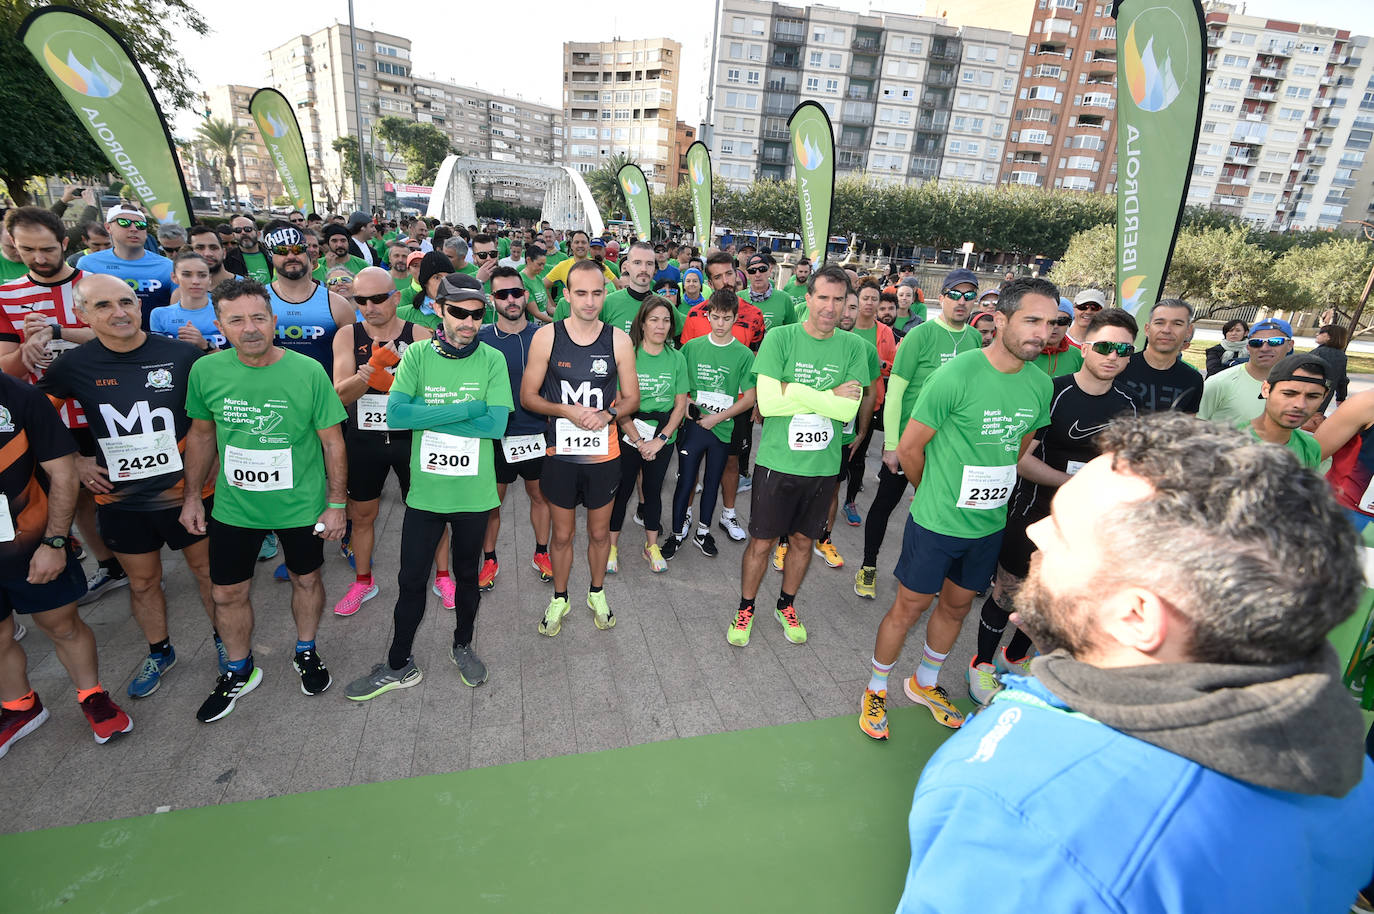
(366, 354)
(1060, 357)
(1086, 304)
(248, 258)
(147, 273)
(485, 258)
(663, 267)
(1230, 396)
(1157, 378)
(171, 239)
(338, 252)
(1082, 405)
(296, 218)
(775, 304)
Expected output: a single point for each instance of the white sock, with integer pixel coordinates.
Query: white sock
(928, 673)
(726, 512)
(702, 529)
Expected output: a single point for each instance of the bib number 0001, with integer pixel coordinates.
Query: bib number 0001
(258, 471)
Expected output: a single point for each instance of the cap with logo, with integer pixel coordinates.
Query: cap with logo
(1273, 323)
(457, 287)
(123, 209)
(958, 277)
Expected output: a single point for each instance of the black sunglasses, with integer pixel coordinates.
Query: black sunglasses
(1258, 342)
(374, 299)
(1122, 349)
(483, 255)
(955, 295)
(140, 224)
(503, 294)
(1087, 306)
(242, 229)
(283, 250)
(1062, 321)
(458, 313)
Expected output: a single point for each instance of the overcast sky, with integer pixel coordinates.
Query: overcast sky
(516, 47)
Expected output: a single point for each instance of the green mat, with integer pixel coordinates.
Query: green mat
(801, 817)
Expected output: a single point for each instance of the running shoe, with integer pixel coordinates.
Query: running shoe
(222, 653)
(471, 669)
(654, 556)
(745, 484)
(78, 550)
(792, 629)
(1005, 664)
(353, 599)
(100, 583)
(866, 582)
(851, 514)
(268, 549)
(639, 514)
(686, 526)
(107, 719)
(669, 547)
(445, 590)
(383, 679)
(613, 561)
(826, 550)
(707, 544)
(346, 551)
(730, 524)
(982, 682)
(229, 688)
(779, 556)
(315, 676)
(149, 675)
(15, 725)
(19, 630)
(873, 714)
(601, 613)
(738, 635)
(544, 565)
(486, 578)
(936, 701)
(553, 616)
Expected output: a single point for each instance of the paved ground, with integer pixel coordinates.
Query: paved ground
(665, 671)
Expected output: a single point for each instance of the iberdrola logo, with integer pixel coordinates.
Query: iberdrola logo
(1132, 291)
(91, 79)
(273, 126)
(698, 175)
(1150, 70)
(812, 157)
(163, 212)
(631, 188)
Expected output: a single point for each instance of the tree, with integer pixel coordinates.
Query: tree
(1090, 259)
(222, 138)
(604, 185)
(347, 148)
(1222, 267)
(422, 147)
(43, 136)
(1331, 275)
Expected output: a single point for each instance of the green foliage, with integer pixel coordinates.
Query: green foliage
(490, 208)
(347, 148)
(1332, 274)
(605, 188)
(1090, 259)
(422, 147)
(222, 139)
(42, 134)
(1215, 267)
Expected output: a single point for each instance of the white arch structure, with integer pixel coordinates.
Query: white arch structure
(568, 203)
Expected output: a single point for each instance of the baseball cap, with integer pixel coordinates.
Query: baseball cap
(991, 293)
(1273, 323)
(358, 219)
(758, 259)
(1091, 297)
(955, 277)
(1066, 306)
(1300, 361)
(980, 316)
(414, 257)
(597, 243)
(457, 287)
(123, 209)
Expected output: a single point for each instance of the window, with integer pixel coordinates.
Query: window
(832, 85)
(835, 61)
(732, 76)
(813, 84)
(727, 147)
(736, 50)
(1290, 114)
(973, 148)
(1222, 107)
(1235, 60)
(818, 34)
(737, 25)
(816, 58)
(755, 52)
(1297, 92)
(753, 77)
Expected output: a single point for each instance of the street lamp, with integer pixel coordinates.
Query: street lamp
(1368, 230)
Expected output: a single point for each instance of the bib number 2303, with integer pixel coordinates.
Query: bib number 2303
(810, 432)
(986, 488)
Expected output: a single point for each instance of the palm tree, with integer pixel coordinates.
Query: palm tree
(223, 137)
(605, 187)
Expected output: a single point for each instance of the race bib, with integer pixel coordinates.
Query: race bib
(448, 455)
(1367, 499)
(7, 533)
(848, 427)
(572, 441)
(986, 488)
(643, 429)
(258, 471)
(372, 413)
(130, 457)
(1074, 466)
(809, 432)
(519, 448)
(713, 402)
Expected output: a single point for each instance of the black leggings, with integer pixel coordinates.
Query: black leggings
(420, 535)
(654, 472)
(891, 488)
(695, 444)
(853, 468)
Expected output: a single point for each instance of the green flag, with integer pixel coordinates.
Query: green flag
(699, 186)
(636, 189)
(813, 158)
(1160, 64)
(108, 92)
(281, 134)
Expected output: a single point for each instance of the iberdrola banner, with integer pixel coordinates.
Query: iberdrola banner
(97, 75)
(813, 160)
(636, 189)
(699, 186)
(281, 134)
(1161, 51)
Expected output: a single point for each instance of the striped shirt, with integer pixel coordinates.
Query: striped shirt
(24, 296)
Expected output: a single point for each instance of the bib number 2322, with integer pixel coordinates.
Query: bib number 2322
(986, 488)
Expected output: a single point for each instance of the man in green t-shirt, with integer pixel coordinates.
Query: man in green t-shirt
(623, 305)
(974, 420)
(810, 382)
(776, 305)
(1293, 393)
(271, 418)
(454, 394)
(336, 254)
(536, 297)
(248, 259)
(397, 256)
(553, 256)
(795, 289)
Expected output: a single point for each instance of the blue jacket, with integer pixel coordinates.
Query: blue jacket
(1033, 807)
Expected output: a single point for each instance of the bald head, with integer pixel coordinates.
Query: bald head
(373, 281)
(110, 307)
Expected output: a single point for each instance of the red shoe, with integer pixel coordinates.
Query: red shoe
(543, 565)
(486, 578)
(107, 719)
(15, 725)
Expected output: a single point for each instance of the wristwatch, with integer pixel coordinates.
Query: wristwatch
(56, 331)
(56, 542)
(662, 437)
(610, 411)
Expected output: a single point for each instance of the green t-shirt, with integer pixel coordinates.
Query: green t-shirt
(354, 265)
(416, 316)
(796, 291)
(1066, 362)
(1230, 396)
(791, 354)
(612, 266)
(402, 283)
(661, 378)
(271, 465)
(535, 291)
(13, 269)
(258, 269)
(777, 309)
(1301, 443)
(468, 268)
(503, 247)
(620, 309)
(875, 370)
(980, 416)
(721, 370)
(924, 349)
(449, 485)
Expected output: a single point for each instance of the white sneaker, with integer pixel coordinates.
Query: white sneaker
(19, 630)
(745, 484)
(731, 526)
(686, 526)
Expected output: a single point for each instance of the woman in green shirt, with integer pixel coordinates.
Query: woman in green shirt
(650, 433)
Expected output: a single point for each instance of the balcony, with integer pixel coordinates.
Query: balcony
(1321, 103)
(779, 104)
(1308, 177)
(775, 133)
(944, 52)
(1264, 95)
(846, 159)
(1240, 180)
(1344, 182)
(865, 44)
(1316, 161)
(865, 69)
(940, 77)
(934, 99)
(859, 93)
(771, 173)
(775, 154)
(1274, 49)
(1269, 72)
(933, 124)
(924, 167)
(782, 85)
(789, 60)
(1213, 40)
(1028, 158)
(1323, 141)
(785, 32)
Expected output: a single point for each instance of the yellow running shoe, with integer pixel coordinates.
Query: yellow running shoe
(792, 629)
(738, 635)
(873, 714)
(603, 617)
(866, 582)
(553, 616)
(779, 557)
(936, 701)
(613, 561)
(827, 551)
(654, 556)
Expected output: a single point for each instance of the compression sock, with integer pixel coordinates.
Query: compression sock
(541, 548)
(596, 589)
(489, 556)
(305, 645)
(22, 703)
(1019, 647)
(878, 681)
(746, 604)
(560, 595)
(785, 599)
(928, 673)
(241, 668)
(365, 578)
(991, 624)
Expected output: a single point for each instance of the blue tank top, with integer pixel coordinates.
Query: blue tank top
(306, 327)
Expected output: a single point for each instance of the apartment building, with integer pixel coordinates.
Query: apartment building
(255, 172)
(621, 97)
(684, 136)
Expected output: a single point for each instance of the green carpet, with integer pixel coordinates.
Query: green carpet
(802, 817)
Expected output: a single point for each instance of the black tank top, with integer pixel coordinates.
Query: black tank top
(584, 375)
(362, 351)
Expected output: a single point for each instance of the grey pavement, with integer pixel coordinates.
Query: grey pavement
(664, 672)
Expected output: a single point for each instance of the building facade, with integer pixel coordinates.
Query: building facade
(255, 173)
(684, 136)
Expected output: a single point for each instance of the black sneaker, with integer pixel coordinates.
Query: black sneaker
(229, 688)
(315, 676)
(707, 544)
(668, 548)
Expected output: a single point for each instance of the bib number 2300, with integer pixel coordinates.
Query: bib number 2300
(448, 455)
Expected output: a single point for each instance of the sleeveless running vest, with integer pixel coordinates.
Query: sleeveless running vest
(306, 327)
(1352, 477)
(362, 351)
(585, 375)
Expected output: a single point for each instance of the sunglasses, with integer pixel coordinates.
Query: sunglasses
(955, 295)
(503, 294)
(374, 299)
(241, 230)
(757, 271)
(1089, 306)
(339, 280)
(1275, 341)
(1062, 321)
(667, 290)
(483, 255)
(140, 224)
(282, 250)
(1122, 349)
(457, 313)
